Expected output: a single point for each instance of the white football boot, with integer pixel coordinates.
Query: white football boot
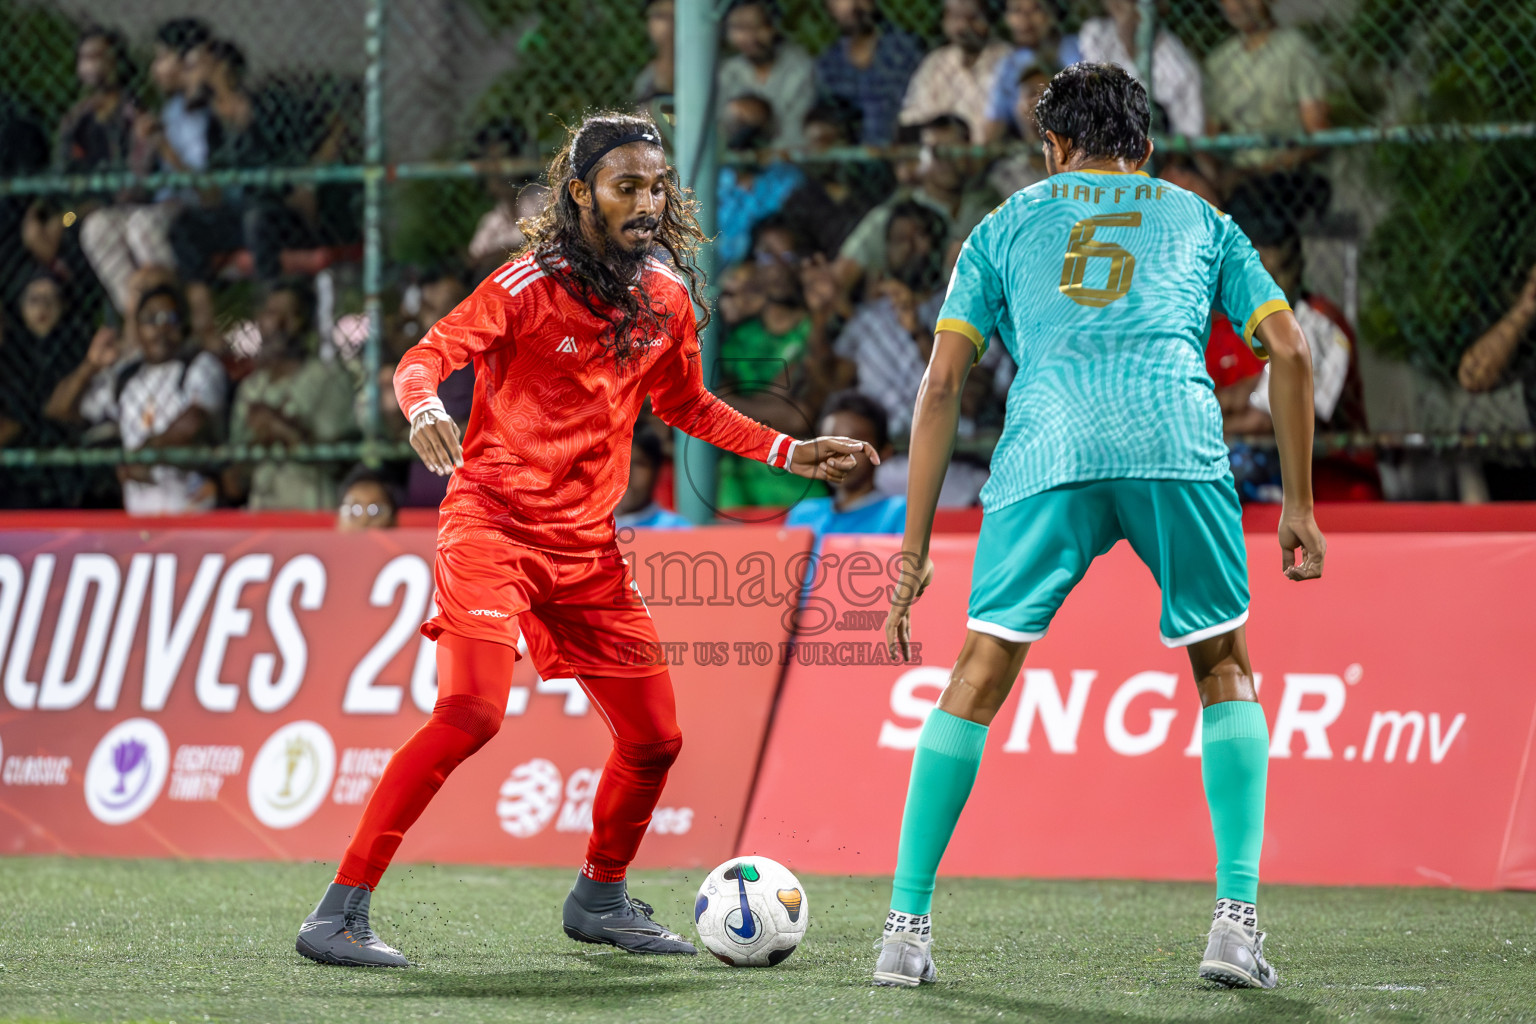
(1234, 957)
(905, 961)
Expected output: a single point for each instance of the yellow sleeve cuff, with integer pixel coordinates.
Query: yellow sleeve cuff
(961, 327)
(1258, 317)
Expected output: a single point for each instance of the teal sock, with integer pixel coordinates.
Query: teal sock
(1234, 765)
(943, 771)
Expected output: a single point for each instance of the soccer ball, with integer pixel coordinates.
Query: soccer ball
(751, 912)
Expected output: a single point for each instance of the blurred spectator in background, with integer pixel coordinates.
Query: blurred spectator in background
(956, 79)
(1337, 395)
(1487, 362)
(655, 79)
(739, 299)
(52, 336)
(748, 193)
(854, 506)
(497, 234)
(949, 185)
(97, 132)
(1026, 166)
(49, 246)
(827, 206)
(1268, 80)
(767, 65)
(868, 67)
(1176, 88)
(291, 398)
(1035, 26)
(762, 367)
(1497, 356)
(56, 333)
(367, 502)
(24, 380)
(119, 239)
(23, 150)
(243, 134)
(171, 396)
(11, 404)
(638, 508)
(762, 349)
(440, 290)
(1234, 369)
(889, 339)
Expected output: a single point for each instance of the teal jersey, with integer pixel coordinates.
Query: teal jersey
(1101, 287)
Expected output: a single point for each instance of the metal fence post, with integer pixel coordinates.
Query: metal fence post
(373, 236)
(698, 167)
(1146, 39)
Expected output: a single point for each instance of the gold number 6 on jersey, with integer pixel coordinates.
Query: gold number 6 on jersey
(1082, 247)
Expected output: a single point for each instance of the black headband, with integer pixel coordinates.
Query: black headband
(623, 140)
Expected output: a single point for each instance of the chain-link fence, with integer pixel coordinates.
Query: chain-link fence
(302, 190)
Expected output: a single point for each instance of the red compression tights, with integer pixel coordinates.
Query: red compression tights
(642, 715)
(473, 679)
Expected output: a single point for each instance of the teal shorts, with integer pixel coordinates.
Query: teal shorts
(1030, 554)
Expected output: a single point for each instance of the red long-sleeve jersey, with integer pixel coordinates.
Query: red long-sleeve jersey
(546, 453)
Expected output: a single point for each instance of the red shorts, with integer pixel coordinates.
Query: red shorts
(579, 614)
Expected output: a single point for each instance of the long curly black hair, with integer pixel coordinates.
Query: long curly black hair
(607, 280)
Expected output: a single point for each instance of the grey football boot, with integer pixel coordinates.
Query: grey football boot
(627, 925)
(1234, 957)
(337, 932)
(905, 961)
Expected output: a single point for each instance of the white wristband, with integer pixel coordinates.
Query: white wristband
(426, 405)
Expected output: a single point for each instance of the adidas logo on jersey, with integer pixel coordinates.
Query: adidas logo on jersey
(568, 345)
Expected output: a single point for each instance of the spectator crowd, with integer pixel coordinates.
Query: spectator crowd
(177, 316)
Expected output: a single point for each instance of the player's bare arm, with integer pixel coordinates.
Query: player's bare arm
(935, 419)
(1290, 395)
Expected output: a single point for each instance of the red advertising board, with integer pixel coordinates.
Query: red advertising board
(236, 694)
(1398, 693)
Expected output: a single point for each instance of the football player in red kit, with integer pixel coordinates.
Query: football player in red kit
(567, 340)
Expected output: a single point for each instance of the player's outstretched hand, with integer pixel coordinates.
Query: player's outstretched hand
(829, 458)
(1299, 530)
(435, 437)
(914, 575)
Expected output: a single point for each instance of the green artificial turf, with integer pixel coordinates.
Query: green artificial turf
(93, 940)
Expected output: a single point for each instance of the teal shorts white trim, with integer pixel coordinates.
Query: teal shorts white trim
(1032, 552)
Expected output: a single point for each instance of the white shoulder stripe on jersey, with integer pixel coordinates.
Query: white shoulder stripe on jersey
(508, 280)
(656, 264)
(512, 269)
(524, 282)
(514, 277)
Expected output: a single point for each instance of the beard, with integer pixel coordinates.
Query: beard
(625, 258)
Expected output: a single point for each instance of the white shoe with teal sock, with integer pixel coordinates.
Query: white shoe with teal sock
(944, 769)
(1234, 954)
(1234, 764)
(906, 951)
